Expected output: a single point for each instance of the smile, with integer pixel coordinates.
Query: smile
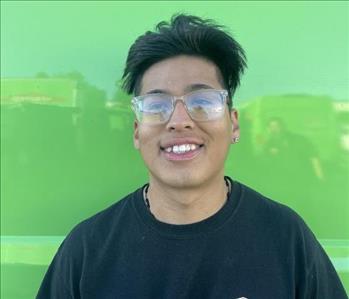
(181, 152)
(181, 149)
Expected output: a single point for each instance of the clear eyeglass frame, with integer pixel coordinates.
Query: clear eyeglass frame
(137, 100)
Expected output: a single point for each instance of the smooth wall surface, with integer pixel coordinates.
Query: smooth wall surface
(66, 127)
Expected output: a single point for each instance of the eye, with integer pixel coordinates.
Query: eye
(156, 104)
(205, 104)
(203, 101)
(200, 102)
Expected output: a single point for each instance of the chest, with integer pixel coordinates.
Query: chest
(151, 267)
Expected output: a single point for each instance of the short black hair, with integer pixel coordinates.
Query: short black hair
(186, 35)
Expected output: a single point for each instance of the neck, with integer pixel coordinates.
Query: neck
(186, 205)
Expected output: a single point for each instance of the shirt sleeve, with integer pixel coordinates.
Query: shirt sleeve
(320, 280)
(63, 275)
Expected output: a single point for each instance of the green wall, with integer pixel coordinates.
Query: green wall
(66, 128)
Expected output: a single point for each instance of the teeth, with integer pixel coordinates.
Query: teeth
(180, 149)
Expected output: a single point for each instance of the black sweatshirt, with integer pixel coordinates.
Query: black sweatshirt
(252, 248)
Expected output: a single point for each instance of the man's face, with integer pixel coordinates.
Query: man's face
(209, 140)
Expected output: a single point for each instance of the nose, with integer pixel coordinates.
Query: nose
(180, 119)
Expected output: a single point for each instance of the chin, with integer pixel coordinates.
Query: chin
(182, 179)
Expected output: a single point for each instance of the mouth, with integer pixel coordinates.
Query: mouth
(181, 151)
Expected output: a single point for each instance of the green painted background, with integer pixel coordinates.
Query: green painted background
(66, 128)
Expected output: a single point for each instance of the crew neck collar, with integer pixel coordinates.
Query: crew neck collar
(196, 229)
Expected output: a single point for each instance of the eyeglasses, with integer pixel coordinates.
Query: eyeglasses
(201, 105)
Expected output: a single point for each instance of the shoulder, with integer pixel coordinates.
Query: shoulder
(105, 223)
(267, 208)
(284, 227)
(277, 219)
(83, 246)
(283, 232)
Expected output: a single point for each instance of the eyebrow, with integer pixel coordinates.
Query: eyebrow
(189, 88)
(157, 91)
(197, 86)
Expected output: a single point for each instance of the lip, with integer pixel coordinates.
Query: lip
(182, 157)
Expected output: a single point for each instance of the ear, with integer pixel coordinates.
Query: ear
(136, 134)
(235, 135)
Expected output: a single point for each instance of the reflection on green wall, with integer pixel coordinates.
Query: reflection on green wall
(73, 155)
(66, 127)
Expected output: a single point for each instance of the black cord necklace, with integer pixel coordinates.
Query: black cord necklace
(146, 200)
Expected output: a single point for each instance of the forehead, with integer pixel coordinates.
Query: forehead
(176, 75)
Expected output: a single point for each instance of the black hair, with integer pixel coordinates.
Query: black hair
(186, 35)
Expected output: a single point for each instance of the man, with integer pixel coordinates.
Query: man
(191, 232)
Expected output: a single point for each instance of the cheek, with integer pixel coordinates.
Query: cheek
(220, 142)
(148, 144)
(222, 132)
